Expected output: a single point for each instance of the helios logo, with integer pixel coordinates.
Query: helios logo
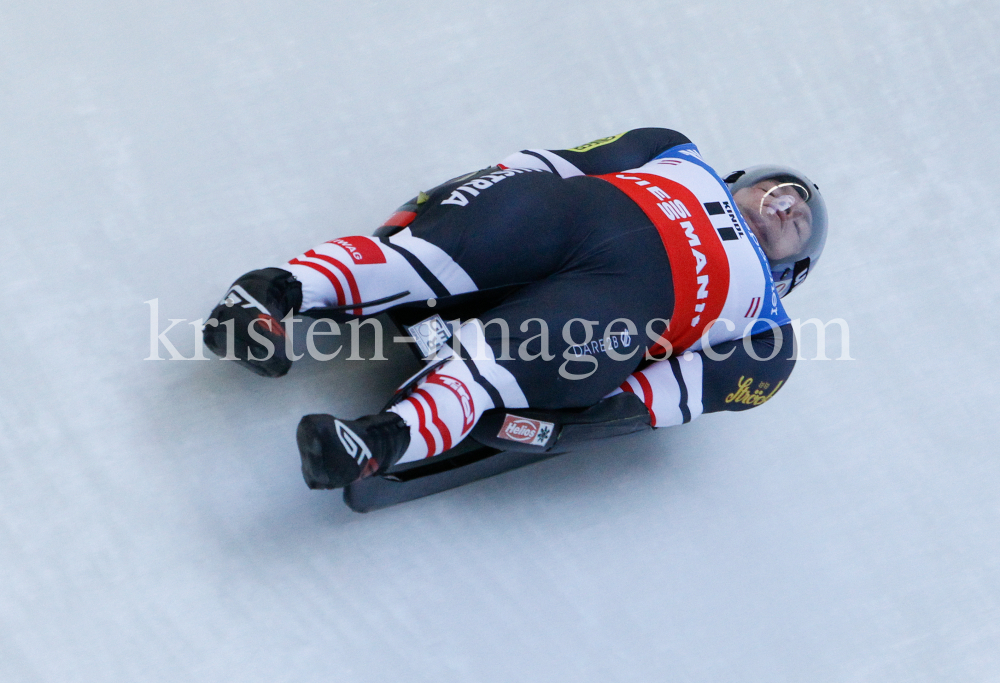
(525, 430)
(352, 443)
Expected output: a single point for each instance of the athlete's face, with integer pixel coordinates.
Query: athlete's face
(778, 216)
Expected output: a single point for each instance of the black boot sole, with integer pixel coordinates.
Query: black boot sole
(275, 366)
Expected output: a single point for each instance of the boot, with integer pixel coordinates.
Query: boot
(336, 453)
(261, 298)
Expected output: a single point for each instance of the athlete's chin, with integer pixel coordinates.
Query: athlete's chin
(774, 250)
(760, 232)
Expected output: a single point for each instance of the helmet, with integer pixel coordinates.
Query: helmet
(789, 271)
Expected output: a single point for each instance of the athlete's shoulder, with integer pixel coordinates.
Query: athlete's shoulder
(616, 153)
(611, 154)
(664, 138)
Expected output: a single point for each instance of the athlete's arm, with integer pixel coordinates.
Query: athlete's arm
(607, 155)
(742, 380)
(724, 377)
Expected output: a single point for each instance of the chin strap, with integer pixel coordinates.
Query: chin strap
(799, 272)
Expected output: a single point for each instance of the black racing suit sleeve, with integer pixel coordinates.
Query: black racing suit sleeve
(735, 380)
(608, 155)
(628, 151)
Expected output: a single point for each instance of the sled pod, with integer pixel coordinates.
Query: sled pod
(487, 452)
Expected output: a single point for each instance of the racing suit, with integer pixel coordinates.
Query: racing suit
(620, 265)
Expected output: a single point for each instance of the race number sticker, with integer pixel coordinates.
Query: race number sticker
(430, 334)
(524, 430)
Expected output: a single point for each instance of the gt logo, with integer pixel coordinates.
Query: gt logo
(238, 295)
(352, 443)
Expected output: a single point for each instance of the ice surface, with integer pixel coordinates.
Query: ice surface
(153, 523)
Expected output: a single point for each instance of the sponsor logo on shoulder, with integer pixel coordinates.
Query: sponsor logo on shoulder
(596, 143)
(525, 430)
(352, 443)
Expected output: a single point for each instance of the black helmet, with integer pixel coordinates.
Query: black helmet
(789, 271)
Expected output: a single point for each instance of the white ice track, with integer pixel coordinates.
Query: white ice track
(153, 522)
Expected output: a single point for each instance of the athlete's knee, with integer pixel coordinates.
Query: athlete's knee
(357, 275)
